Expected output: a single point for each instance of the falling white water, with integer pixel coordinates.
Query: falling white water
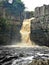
(25, 35)
(25, 32)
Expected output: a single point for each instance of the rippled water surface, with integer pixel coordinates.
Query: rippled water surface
(22, 56)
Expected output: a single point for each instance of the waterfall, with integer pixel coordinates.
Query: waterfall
(25, 32)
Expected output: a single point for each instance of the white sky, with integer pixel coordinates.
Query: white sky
(31, 4)
(10, 1)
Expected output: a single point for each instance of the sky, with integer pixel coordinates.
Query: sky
(10, 1)
(31, 4)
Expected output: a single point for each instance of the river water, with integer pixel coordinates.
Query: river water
(22, 56)
(23, 61)
(23, 53)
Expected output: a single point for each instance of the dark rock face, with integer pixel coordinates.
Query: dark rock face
(15, 35)
(40, 26)
(41, 11)
(12, 34)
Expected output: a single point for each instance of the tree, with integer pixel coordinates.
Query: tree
(12, 9)
(15, 8)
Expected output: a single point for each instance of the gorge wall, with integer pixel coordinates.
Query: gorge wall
(40, 26)
(25, 30)
(12, 33)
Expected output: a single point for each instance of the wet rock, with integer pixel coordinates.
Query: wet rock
(40, 62)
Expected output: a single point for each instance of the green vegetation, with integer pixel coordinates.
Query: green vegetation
(3, 29)
(2, 24)
(8, 26)
(16, 8)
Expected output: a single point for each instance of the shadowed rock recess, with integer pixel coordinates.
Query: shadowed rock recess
(40, 26)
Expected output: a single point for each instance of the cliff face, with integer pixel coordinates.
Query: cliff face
(40, 26)
(12, 34)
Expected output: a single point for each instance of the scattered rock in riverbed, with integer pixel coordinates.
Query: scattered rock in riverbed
(40, 62)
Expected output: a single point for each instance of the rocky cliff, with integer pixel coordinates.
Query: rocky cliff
(40, 26)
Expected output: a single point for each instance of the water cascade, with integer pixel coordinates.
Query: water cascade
(25, 32)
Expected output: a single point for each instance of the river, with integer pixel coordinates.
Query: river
(22, 56)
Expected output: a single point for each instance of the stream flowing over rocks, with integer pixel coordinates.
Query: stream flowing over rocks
(22, 56)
